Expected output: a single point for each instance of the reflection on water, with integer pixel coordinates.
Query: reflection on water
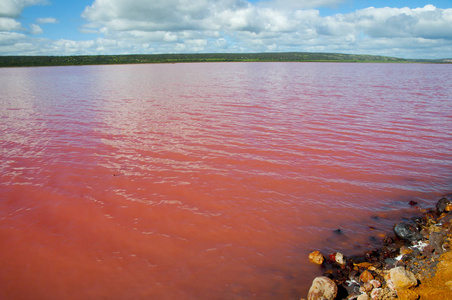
(208, 181)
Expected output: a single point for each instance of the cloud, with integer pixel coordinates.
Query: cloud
(171, 26)
(35, 29)
(9, 24)
(238, 18)
(428, 22)
(300, 4)
(13, 8)
(10, 10)
(46, 21)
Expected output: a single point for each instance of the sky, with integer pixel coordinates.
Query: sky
(405, 29)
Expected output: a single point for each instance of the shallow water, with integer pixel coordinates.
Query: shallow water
(209, 181)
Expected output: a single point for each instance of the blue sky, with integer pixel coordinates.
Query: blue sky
(408, 29)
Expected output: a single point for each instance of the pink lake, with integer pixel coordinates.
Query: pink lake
(213, 180)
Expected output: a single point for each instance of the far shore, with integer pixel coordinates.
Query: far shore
(40, 61)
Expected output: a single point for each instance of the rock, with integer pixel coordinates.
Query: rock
(376, 293)
(401, 278)
(339, 258)
(428, 250)
(436, 240)
(405, 250)
(316, 257)
(322, 288)
(367, 286)
(366, 276)
(337, 231)
(363, 297)
(375, 283)
(383, 294)
(444, 203)
(407, 232)
(352, 288)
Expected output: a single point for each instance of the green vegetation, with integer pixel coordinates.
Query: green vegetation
(34, 61)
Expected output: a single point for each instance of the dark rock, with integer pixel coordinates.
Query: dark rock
(337, 231)
(407, 232)
(406, 258)
(416, 253)
(443, 203)
(342, 292)
(412, 203)
(357, 259)
(436, 240)
(388, 240)
(372, 255)
(390, 263)
(352, 288)
(428, 250)
(353, 275)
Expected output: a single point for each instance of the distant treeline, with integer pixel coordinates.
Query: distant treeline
(35, 61)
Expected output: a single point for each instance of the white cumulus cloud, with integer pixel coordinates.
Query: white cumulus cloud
(274, 25)
(9, 24)
(170, 26)
(13, 8)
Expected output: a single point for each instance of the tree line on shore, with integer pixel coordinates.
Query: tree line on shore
(32, 61)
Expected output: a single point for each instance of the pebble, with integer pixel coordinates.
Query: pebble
(436, 240)
(316, 257)
(366, 276)
(339, 258)
(401, 278)
(375, 283)
(444, 203)
(322, 288)
(407, 232)
(363, 297)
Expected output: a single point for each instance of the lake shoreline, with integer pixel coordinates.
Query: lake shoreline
(79, 60)
(414, 263)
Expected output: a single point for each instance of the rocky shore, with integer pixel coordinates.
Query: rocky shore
(415, 262)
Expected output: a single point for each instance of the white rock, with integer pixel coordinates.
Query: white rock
(340, 258)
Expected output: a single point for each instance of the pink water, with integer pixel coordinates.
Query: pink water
(209, 181)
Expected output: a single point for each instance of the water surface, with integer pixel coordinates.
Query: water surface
(209, 181)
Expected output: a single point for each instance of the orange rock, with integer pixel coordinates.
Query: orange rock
(405, 250)
(448, 207)
(365, 265)
(366, 276)
(316, 257)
